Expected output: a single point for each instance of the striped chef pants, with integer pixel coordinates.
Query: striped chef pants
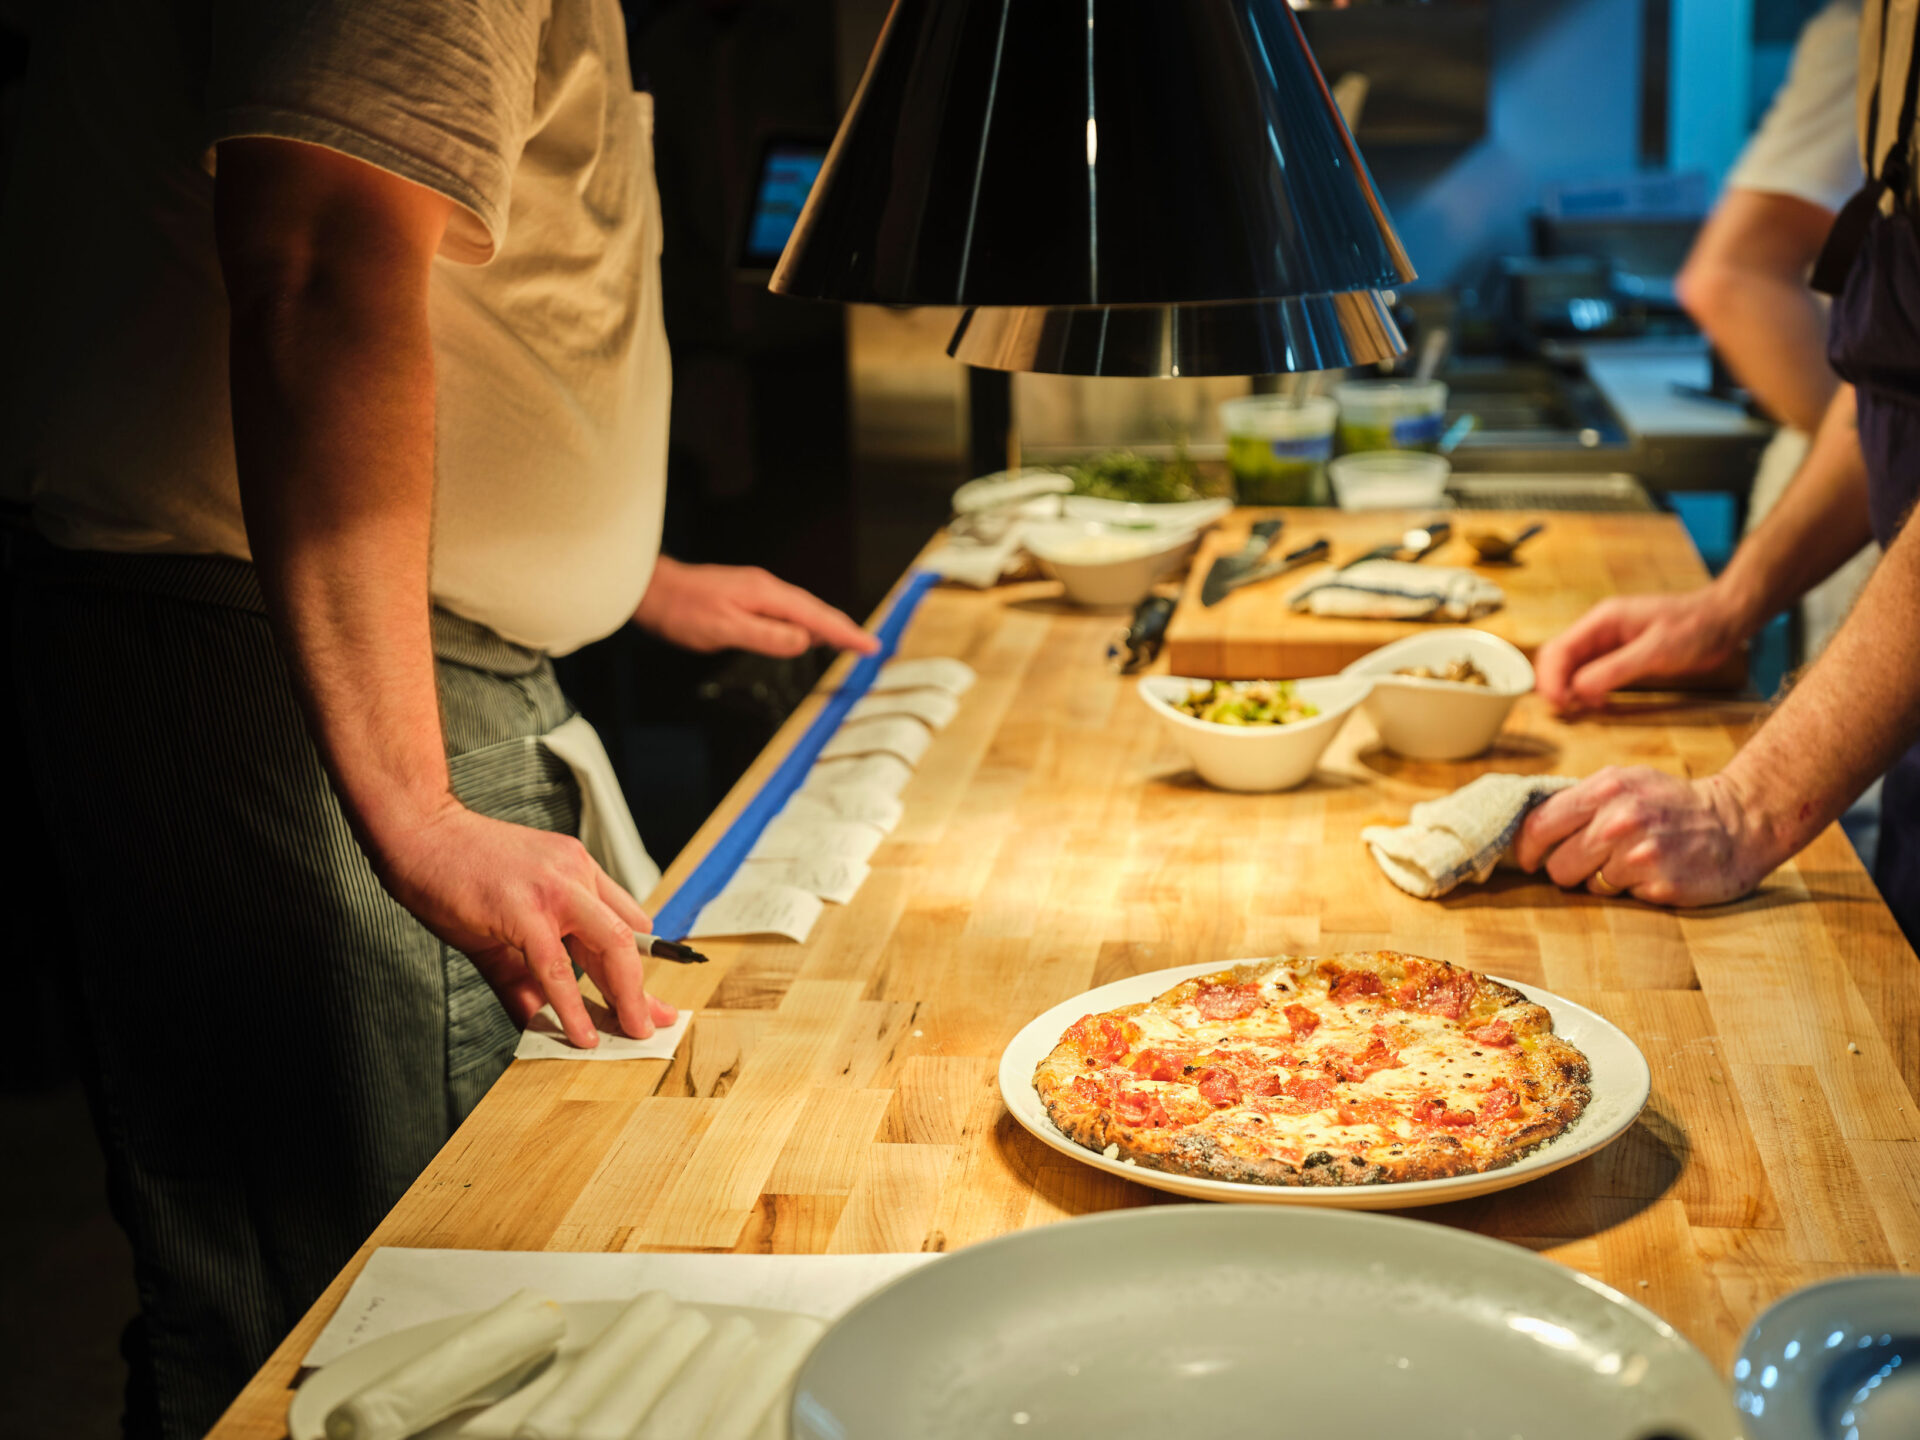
(274, 1047)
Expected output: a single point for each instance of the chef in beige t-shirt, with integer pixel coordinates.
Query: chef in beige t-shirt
(338, 389)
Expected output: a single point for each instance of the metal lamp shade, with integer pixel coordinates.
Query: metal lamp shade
(1107, 153)
(1256, 337)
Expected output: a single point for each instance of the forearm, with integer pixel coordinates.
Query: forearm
(1745, 283)
(1818, 525)
(332, 388)
(1772, 333)
(1847, 719)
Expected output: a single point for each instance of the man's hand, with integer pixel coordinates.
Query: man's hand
(525, 905)
(1662, 839)
(720, 607)
(1637, 637)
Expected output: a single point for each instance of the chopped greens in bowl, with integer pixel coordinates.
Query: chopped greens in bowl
(1246, 702)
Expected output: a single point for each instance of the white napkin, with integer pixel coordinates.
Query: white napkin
(543, 1039)
(401, 1287)
(1399, 590)
(606, 825)
(1461, 836)
(519, 1330)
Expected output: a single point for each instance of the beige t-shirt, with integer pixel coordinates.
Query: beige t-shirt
(552, 378)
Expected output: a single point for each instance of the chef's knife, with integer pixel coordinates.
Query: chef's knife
(1292, 560)
(1417, 543)
(1220, 578)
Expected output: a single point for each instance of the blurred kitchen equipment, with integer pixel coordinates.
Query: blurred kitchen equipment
(1420, 541)
(1292, 560)
(1497, 549)
(1456, 432)
(1389, 480)
(1599, 494)
(1176, 111)
(1391, 414)
(1138, 646)
(1223, 570)
(1433, 350)
(1278, 447)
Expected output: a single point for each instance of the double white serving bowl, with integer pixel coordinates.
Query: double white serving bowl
(1419, 719)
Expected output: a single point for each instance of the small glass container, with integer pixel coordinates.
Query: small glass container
(1278, 448)
(1391, 414)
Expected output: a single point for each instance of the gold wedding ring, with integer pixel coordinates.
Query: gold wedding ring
(1602, 886)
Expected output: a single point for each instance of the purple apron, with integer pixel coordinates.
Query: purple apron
(1872, 267)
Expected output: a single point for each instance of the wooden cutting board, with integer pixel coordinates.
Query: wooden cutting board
(1579, 560)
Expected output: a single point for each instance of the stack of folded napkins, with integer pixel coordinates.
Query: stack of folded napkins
(1461, 836)
(660, 1371)
(1399, 590)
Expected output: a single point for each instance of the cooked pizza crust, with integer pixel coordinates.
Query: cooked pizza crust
(1391, 1047)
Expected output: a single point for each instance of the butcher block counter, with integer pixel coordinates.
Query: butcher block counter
(839, 1096)
(1579, 559)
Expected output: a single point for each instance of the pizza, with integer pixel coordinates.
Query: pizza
(1357, 1069)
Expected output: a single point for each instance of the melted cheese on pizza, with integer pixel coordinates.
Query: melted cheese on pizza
(1316, 1067)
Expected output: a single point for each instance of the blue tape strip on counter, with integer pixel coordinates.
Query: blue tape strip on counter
(711, 875)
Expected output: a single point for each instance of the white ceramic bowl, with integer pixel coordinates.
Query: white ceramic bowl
(1106, 565)
(1256, 757)
(1389, 480)
(1439, 719)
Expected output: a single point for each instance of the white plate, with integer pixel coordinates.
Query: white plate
(1621, 1083)
(329, 1385)
(1235, 1323)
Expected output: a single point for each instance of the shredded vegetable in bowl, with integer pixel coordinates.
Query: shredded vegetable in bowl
(1246, 702)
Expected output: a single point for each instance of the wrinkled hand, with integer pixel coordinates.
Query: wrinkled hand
(1635, 637)
(719, 607)
(1662, 839)
(523, 905)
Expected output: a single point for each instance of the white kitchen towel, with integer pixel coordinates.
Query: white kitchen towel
(403, 1287)
(1458, 837)
(606, 825)
(1399, 590)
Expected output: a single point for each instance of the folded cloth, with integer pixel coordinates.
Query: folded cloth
(1461, 836)
(1399, 590)
(515, 1334)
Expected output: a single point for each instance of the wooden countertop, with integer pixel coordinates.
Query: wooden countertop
(839, 1095)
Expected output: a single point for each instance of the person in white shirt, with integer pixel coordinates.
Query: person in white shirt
(338, 387)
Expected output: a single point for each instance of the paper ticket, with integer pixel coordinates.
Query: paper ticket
(756, 909)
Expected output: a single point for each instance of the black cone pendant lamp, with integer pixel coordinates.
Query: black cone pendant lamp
(1113, 187)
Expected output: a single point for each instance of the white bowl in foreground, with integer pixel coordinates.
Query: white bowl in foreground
(1255, 757)
(1107, 565)
(1442, 719)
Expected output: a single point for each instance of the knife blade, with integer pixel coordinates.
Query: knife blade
(1220, 577)
(1292, 560)
(1416, 544)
